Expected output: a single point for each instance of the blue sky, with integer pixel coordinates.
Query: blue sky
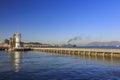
(57, 21)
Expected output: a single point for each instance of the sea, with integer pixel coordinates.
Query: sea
(34, 65)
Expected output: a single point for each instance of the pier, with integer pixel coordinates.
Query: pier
(21, 49)
(2, 48)
(82, 51)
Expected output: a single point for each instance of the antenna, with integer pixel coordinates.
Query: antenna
(18, 28)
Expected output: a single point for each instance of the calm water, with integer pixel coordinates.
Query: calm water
(49, 66)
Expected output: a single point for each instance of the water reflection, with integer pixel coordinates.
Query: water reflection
(15, 61)
(53, 66)
(96, 58)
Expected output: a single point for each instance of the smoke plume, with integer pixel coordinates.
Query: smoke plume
(74, 39)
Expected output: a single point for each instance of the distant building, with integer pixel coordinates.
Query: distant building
(17, 39)
(6, 41)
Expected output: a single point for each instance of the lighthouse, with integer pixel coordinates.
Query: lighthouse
(17, 37)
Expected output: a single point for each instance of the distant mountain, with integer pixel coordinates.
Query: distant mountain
(111, 43)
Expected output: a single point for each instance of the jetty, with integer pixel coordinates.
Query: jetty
(21, 49)
(2, 48)
(81, 51)
(73, 51)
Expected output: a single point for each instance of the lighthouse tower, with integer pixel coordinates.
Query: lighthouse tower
(17, 37)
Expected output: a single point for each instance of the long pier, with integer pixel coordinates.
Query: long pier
(82, 51)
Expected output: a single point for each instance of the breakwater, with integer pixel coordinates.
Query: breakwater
(81, 51)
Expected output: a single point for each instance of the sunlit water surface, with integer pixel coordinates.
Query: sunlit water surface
(51, 66)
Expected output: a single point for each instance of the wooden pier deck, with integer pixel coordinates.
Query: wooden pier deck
(82, 51)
